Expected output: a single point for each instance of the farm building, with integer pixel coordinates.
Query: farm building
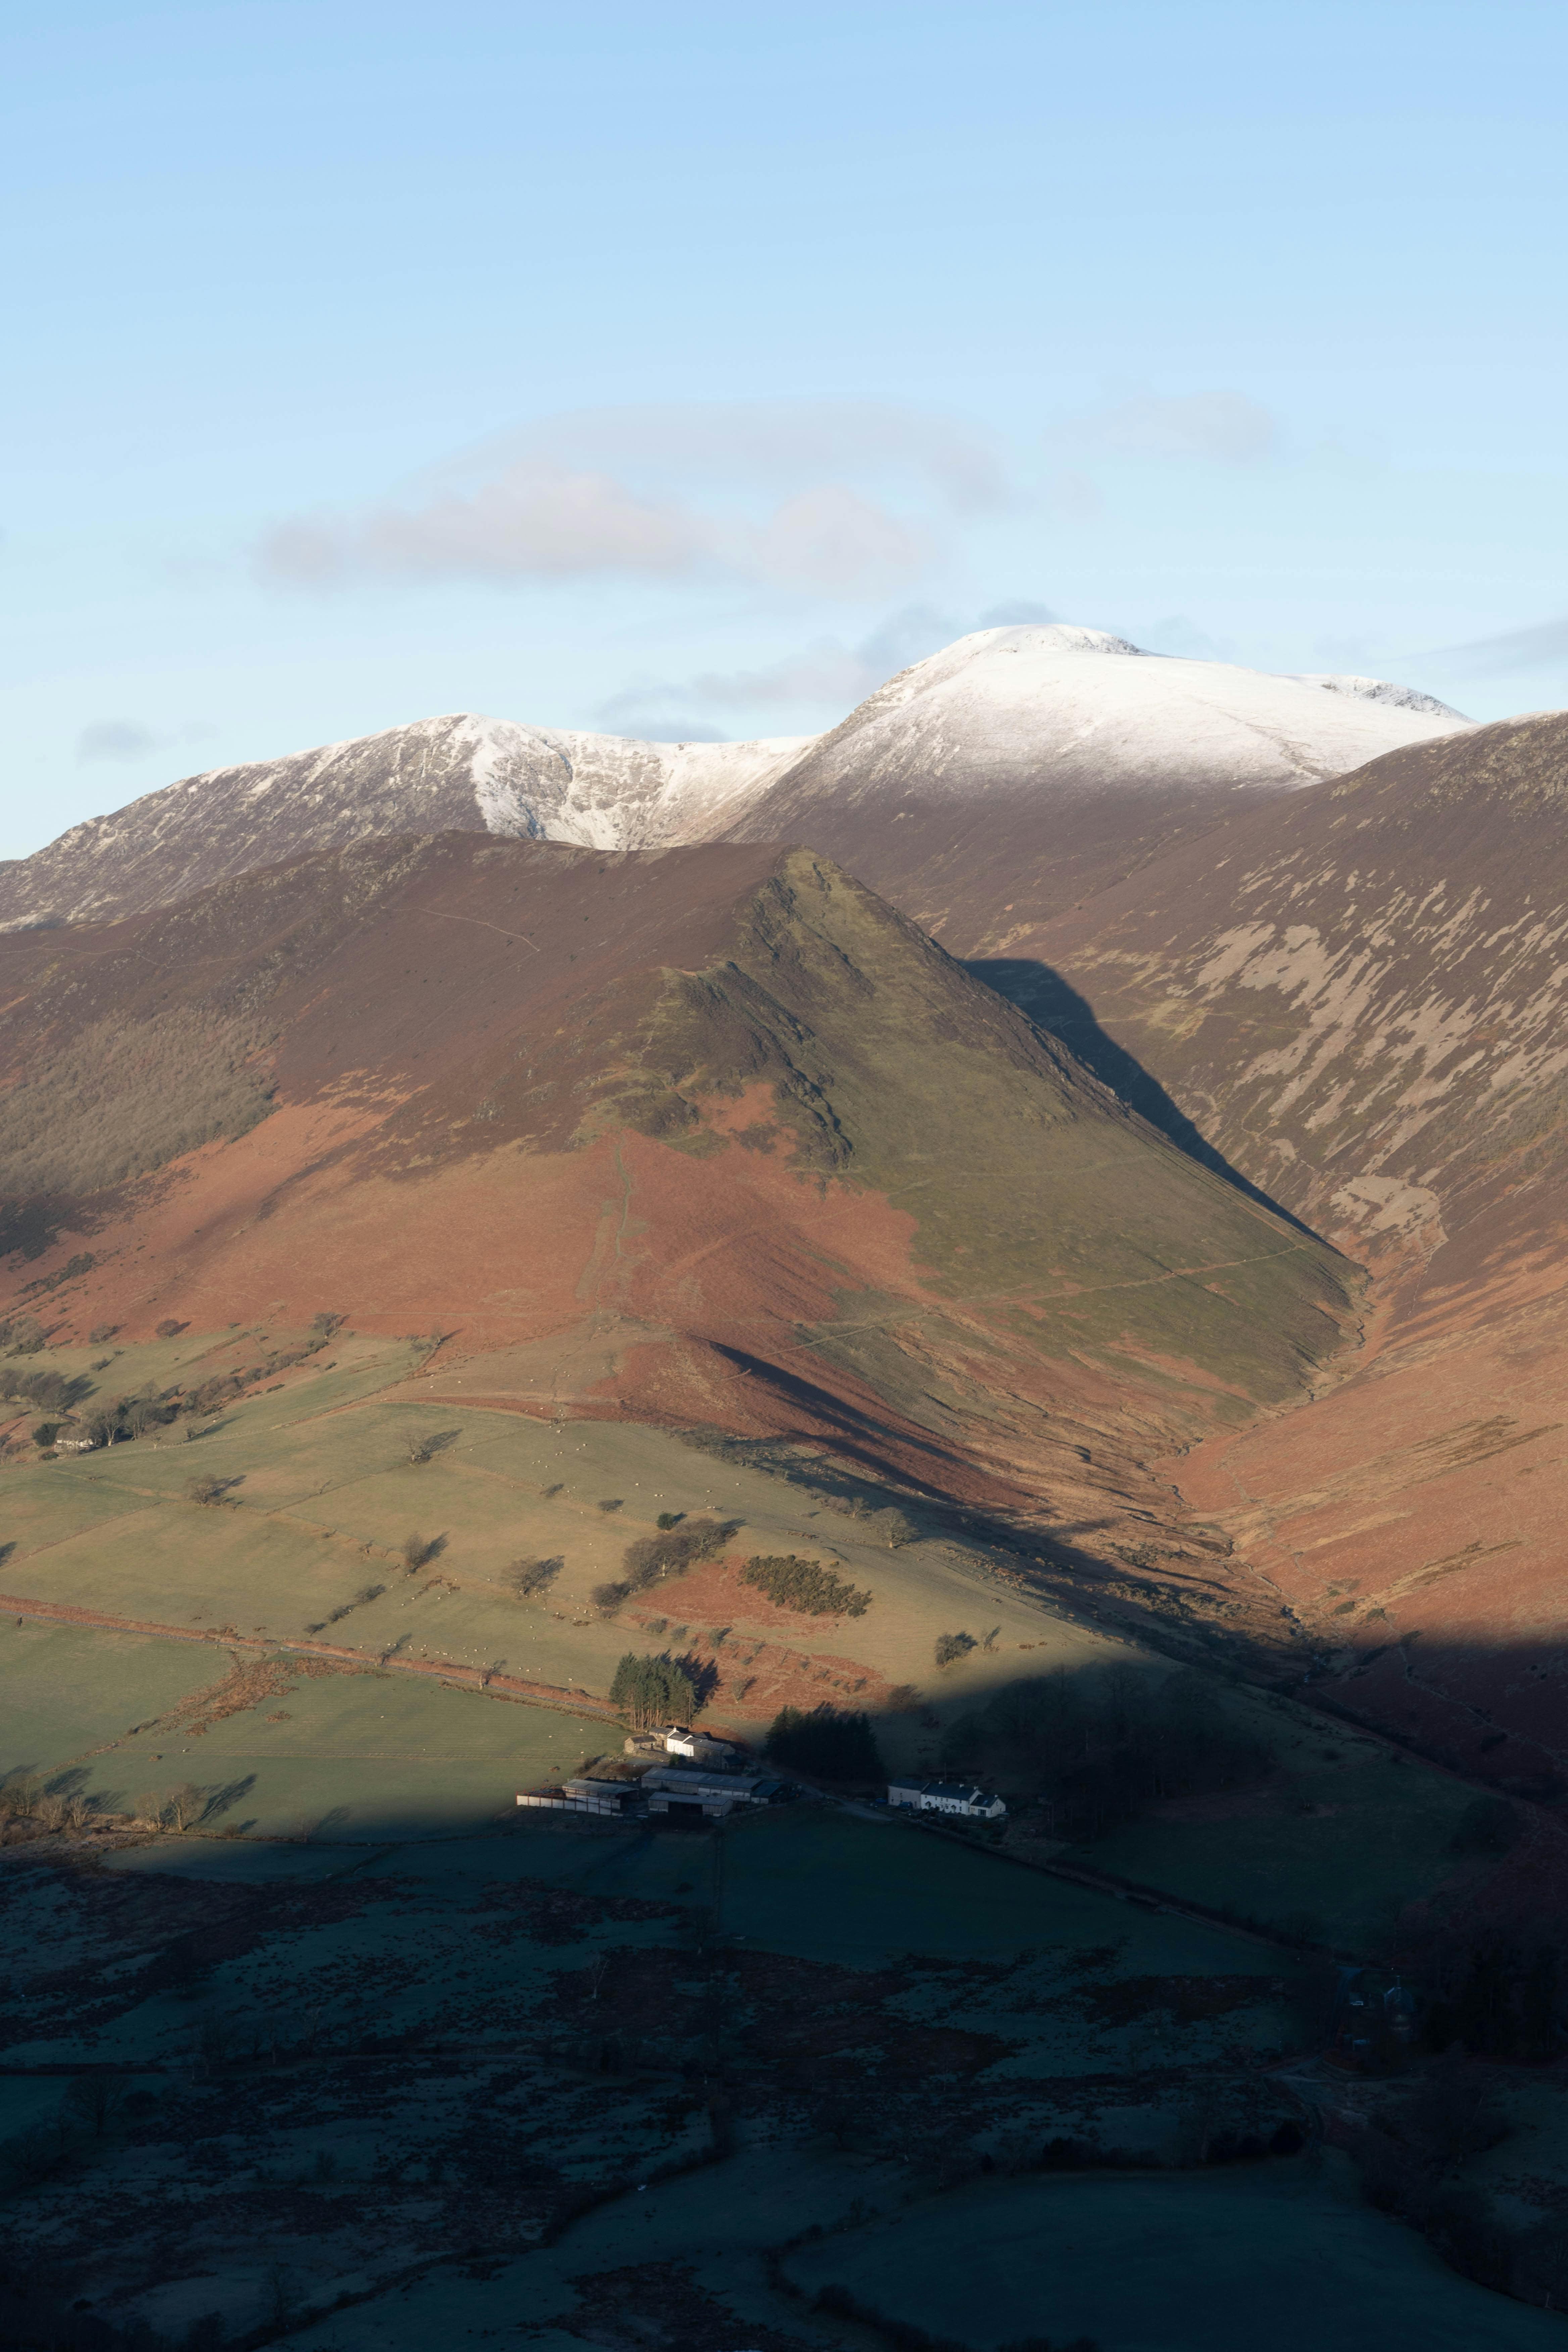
(608, 1800)
(685, 1791)
(947, 1797)
(703, 1747)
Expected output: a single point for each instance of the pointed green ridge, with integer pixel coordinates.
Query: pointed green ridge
(1035, 1193)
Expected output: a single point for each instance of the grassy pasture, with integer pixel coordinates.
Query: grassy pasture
(357, 1756)
(1347, 1833)
(486, 1969)
(367, 1757)
(323, 1494)
(1220, 2262)
(65, 1692)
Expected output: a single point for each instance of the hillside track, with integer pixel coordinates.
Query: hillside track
(494, 1685)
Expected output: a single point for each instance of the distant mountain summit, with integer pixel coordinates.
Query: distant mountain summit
(459, 773)
(1013, 724)
(1033, 708)
(1022, 770)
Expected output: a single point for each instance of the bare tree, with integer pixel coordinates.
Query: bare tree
(530, 1578)
(182, 1806)
(93, 2102)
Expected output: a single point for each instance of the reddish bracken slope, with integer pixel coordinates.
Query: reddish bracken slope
(704, 1136)
(1360, 995)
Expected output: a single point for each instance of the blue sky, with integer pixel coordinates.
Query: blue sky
(683, 369)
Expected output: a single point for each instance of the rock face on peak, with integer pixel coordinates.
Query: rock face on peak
(454, 773)
(1360, 995)
(706, 1136)
(1383, 690)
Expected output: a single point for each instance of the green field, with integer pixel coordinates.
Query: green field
(1348, 1833)
(390, 2069)
(353, 1756)
(1284, 2255)
(319, 1495)
(360, 2014)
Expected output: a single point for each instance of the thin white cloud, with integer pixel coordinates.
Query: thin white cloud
(1544, 646)
(833, 539)
(1074, 497)
(1226, 428)
(842, 498)
(825, 679)
(128, 739)
(525, 521)
(116, 739)
(776, 444)
(530, 523)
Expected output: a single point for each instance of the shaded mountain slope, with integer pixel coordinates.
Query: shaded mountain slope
(1358, 995)
(705, 1136)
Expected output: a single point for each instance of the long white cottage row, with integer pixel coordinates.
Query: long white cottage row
(947, 1797)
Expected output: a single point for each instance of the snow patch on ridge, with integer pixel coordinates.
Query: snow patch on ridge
(1054, 710)
(1383, 690)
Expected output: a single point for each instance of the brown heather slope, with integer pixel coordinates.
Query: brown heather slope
(1358, 995)
(707, 1136)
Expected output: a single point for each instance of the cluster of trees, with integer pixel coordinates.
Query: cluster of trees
(1100, 1747)
(806, 1586)
(653, 1690)
(50, 1391)
(114, 1419)
(830, 1743)
(131, 1416)
(1497, 1999)
(670, 1553)
(1408, 2158)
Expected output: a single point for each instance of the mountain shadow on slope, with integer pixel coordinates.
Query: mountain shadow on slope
(1044, 997)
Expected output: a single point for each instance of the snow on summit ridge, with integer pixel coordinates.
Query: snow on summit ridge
(1052, 709)
(1047, 710)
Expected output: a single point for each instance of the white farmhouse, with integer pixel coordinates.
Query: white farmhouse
(947, 1797)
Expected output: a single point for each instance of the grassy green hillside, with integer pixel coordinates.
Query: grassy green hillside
(273, 1650)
